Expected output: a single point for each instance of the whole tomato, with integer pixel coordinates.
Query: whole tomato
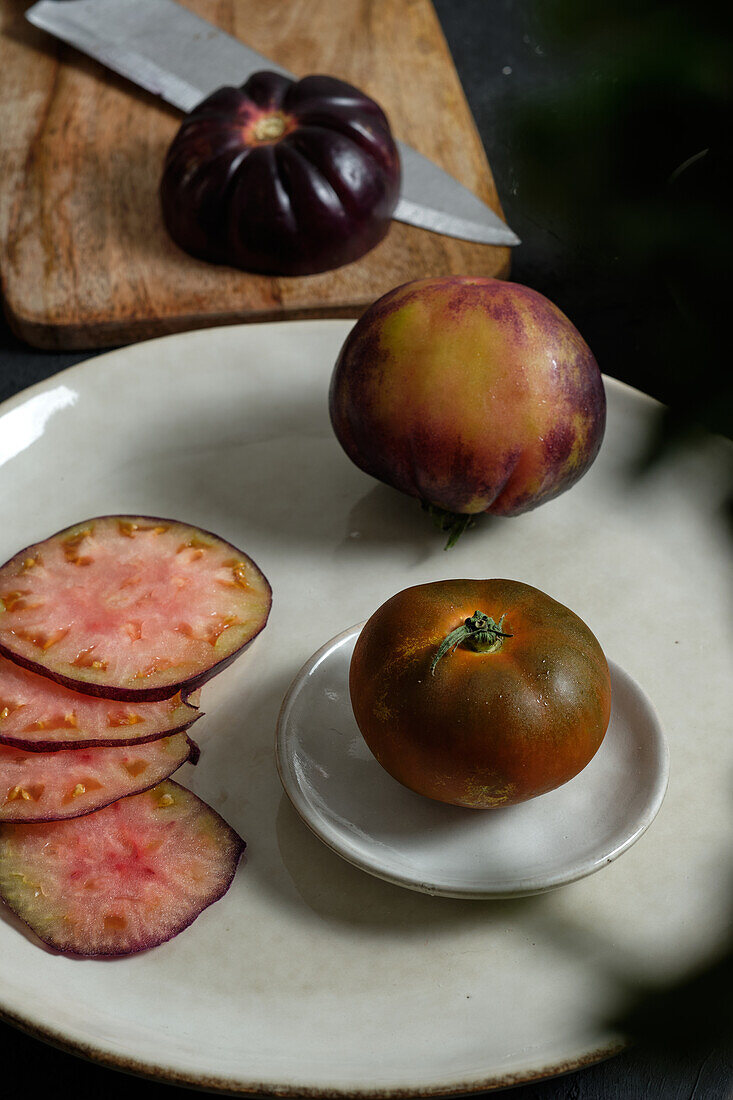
(473, 395)
(481, 693)
(282, 177)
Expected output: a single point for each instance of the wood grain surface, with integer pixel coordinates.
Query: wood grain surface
(84, 258)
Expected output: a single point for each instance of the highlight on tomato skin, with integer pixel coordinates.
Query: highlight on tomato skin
(470, 394)
(479, 693)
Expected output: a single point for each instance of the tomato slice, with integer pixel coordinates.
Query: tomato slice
(39, 715)
(130, 608)
(123, 879)
(52, 786)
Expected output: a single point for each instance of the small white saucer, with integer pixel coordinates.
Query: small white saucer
(362, 813)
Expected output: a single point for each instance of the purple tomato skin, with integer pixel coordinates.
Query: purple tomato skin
(282, 177)
(472, 394)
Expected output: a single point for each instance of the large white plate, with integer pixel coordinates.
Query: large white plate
(311, 976)
(370, 819)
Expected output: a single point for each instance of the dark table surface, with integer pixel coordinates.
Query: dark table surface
(605, 142)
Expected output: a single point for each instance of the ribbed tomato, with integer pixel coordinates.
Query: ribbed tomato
(282, 177)
(481, 693)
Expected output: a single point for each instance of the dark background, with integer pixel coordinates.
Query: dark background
(606, 128)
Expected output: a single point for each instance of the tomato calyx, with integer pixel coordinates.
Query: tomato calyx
(478, 633)
(455, 523)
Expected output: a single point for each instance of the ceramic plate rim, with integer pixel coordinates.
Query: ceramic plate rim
(36, 1021)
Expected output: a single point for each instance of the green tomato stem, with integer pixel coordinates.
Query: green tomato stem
(455, 523)
(479, 633)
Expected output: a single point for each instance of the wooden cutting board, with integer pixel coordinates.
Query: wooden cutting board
(84, 258)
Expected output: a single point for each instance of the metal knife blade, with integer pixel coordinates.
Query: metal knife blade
(171, 52)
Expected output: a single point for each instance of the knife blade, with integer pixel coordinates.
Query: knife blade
(174, 54)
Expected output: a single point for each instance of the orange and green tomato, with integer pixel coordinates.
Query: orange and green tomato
(472, 728)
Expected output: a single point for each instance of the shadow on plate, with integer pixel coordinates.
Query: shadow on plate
(204, 467)
(337, 891)
(289, 862)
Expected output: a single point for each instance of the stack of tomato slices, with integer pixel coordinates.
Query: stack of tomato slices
(108, 629)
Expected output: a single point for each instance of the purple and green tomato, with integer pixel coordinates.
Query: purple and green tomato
(472, 394)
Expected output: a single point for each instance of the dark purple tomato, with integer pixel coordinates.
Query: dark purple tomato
(282, 177)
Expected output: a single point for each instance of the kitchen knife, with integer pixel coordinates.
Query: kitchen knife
(171, 52)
